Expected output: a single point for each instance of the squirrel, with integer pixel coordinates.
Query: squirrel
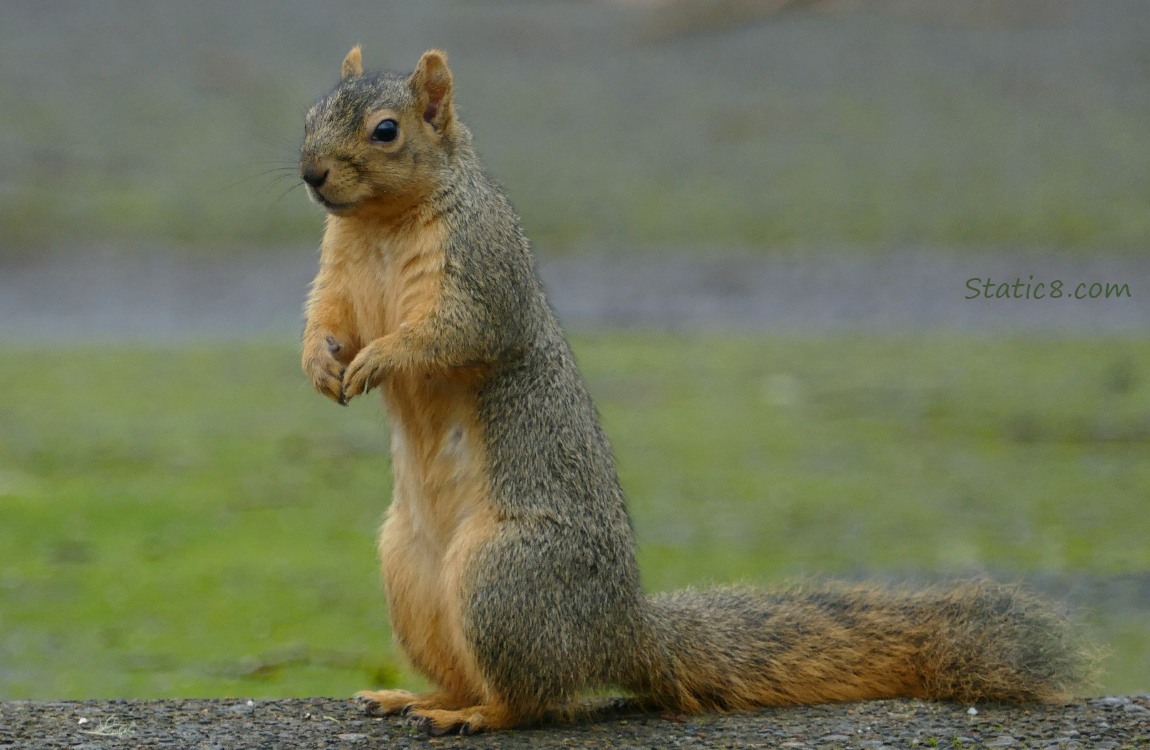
(508, 555)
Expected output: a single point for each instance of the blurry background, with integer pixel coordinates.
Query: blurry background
(758, 219)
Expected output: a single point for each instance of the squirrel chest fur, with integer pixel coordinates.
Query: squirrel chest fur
(508, 556)
(440, 512)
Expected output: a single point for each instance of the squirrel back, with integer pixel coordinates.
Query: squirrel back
(507, 552)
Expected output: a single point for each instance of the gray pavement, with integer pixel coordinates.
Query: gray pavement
(105, 295)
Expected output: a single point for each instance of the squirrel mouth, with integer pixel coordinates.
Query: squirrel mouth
(329, 205)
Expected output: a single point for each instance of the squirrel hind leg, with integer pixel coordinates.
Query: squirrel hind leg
(393, 702)
(470, 720)
(439, 713)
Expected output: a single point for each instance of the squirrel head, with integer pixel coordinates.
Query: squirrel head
(379, 143)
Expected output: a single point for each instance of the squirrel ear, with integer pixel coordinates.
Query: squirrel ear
(431, 84)
(352, 64)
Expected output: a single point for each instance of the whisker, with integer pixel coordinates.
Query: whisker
(285, 193)
(279, 172)
(276, 181)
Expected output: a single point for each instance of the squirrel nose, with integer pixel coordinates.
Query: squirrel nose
(313, 174)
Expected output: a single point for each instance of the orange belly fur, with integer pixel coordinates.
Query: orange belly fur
(440, 513)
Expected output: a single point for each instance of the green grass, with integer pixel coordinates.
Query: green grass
(196, 522)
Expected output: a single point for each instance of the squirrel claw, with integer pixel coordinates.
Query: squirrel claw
(368, 705)
(441, 722)
(435, 728)
(360, 378)
(326, 374)
(422, 723)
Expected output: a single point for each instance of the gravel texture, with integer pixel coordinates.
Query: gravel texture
(1102, 723)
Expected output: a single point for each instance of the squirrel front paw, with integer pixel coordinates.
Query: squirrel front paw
(324, 363)
(365, 372)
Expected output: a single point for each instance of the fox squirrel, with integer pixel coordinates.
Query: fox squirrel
(508, 555)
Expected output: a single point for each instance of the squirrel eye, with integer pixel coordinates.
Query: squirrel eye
(386, 131)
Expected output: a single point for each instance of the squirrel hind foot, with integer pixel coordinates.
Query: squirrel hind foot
(385, 702)
(471, 720)
(405, 702)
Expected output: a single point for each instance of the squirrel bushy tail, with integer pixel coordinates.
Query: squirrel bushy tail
(734, 648)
